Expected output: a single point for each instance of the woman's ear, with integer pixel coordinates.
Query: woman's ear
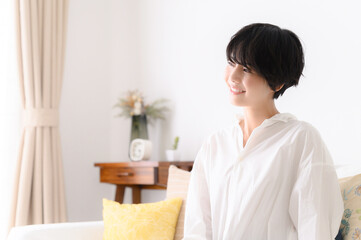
(279, 87)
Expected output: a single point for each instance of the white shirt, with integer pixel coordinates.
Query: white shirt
(281, 186)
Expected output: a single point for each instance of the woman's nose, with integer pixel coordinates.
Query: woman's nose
(234, 83)
(235, 76)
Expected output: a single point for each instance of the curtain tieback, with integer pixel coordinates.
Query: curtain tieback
(41, 117)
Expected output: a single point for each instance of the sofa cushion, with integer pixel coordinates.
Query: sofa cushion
(351, 219)
(141, 221)
(177, 186)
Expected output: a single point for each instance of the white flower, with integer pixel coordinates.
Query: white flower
(137, 108)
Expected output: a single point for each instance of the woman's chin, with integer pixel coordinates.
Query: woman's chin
(237, 104)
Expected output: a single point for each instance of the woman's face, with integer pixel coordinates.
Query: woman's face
(247, 88)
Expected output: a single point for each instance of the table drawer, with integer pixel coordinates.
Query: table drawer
(139, 175)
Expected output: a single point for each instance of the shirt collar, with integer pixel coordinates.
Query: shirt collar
(279, 117)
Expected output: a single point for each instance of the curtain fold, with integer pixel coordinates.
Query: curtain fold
(39, 194)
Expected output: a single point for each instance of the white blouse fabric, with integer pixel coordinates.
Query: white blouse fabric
(281, 186)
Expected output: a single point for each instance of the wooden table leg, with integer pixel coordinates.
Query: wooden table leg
(119, 195)
(136, 194)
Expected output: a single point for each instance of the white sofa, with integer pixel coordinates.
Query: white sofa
(59, 231)
(94, 230)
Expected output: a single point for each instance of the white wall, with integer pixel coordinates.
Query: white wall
(176, 49)
(85, 108)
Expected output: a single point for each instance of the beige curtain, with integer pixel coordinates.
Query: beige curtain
(39, 183)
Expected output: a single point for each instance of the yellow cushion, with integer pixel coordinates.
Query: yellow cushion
(177, 186)
(140, 221)
(351, 220)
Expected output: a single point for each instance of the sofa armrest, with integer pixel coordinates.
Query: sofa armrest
(59, 231)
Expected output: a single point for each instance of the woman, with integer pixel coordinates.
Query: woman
(269, 176)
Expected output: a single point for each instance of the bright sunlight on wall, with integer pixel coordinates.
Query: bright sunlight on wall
(9, 110)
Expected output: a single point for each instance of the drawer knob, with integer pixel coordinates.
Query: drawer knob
(124, 174)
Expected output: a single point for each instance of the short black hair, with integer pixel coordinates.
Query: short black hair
(274, 53)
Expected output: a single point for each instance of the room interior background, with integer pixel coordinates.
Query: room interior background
(176, 50)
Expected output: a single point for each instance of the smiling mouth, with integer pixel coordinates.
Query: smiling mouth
(236, 91)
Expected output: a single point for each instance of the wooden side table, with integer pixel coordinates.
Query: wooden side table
(138, 175)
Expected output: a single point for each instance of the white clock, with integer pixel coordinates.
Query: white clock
(140, 149)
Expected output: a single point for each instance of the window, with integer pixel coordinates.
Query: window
(10, 109)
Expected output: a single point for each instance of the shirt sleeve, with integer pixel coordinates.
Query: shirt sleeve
(316, 204)
(197, 220)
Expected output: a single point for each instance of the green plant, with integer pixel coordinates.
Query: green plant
(175, 144)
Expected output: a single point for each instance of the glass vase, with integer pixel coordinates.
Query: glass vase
(139, 129)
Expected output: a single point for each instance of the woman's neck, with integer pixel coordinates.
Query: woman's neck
(254, 116)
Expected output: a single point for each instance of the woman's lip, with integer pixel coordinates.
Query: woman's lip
(236, 93)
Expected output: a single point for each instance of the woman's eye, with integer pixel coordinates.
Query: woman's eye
(246, 70)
